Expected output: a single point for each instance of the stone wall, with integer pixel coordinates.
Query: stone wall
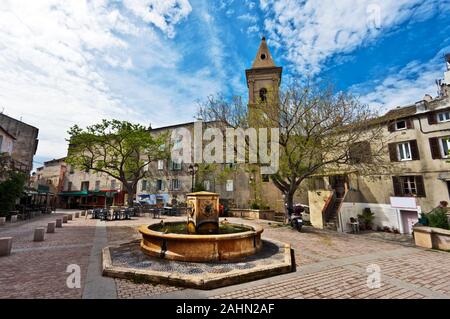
(317, 200)
(430, 237)
(253, 214)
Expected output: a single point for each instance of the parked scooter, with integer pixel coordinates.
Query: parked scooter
(295, 217)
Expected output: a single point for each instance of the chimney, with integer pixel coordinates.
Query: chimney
(447, 72)
(444, 85)
(428, 98)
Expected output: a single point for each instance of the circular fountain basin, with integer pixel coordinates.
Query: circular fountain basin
(235, 241)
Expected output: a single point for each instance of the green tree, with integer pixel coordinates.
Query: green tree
(10, 191)
(120, 149)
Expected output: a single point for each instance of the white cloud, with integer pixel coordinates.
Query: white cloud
(405, 86)
(164, 14)
(253, 29)
(248, 18)
(76, 62)
(314, 31)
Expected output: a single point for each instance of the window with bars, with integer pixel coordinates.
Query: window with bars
(97, 186)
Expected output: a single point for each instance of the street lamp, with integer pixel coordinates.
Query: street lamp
(192, 170)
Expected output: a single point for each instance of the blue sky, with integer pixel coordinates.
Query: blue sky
(65, 62)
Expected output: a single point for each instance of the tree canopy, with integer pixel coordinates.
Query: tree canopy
(120, 149)
(320, 130)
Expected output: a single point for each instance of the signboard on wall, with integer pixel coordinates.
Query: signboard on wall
(404, 202)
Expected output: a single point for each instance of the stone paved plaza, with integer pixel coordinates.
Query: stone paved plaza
(329, 265)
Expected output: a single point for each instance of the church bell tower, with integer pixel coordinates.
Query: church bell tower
(263, 81)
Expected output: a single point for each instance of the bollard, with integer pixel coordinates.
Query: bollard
(5, 246)
(51, 227)
(13, 218)
(59, 223)
(39, 234)
(69, 217)
(2, 221)
(77, 215)
(65, 219)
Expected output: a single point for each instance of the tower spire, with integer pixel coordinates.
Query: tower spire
(263, 57)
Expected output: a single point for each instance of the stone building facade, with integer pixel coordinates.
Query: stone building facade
(83, 189)
(25, 143)
(417, 151)
(169, 182)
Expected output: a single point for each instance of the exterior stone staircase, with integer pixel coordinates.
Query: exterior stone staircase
(331, 222)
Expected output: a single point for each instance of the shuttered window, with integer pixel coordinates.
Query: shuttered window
(440, 147)
(400, 125)
(432, 118)
(409, 186)
(404, 151)
(414, 150)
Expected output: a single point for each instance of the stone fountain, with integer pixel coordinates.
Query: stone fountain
(201, 238)
(200, 252)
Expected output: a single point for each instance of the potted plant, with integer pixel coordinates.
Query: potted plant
(366, 219)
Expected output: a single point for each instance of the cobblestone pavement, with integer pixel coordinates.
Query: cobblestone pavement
(38, 269)
(329, 265)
